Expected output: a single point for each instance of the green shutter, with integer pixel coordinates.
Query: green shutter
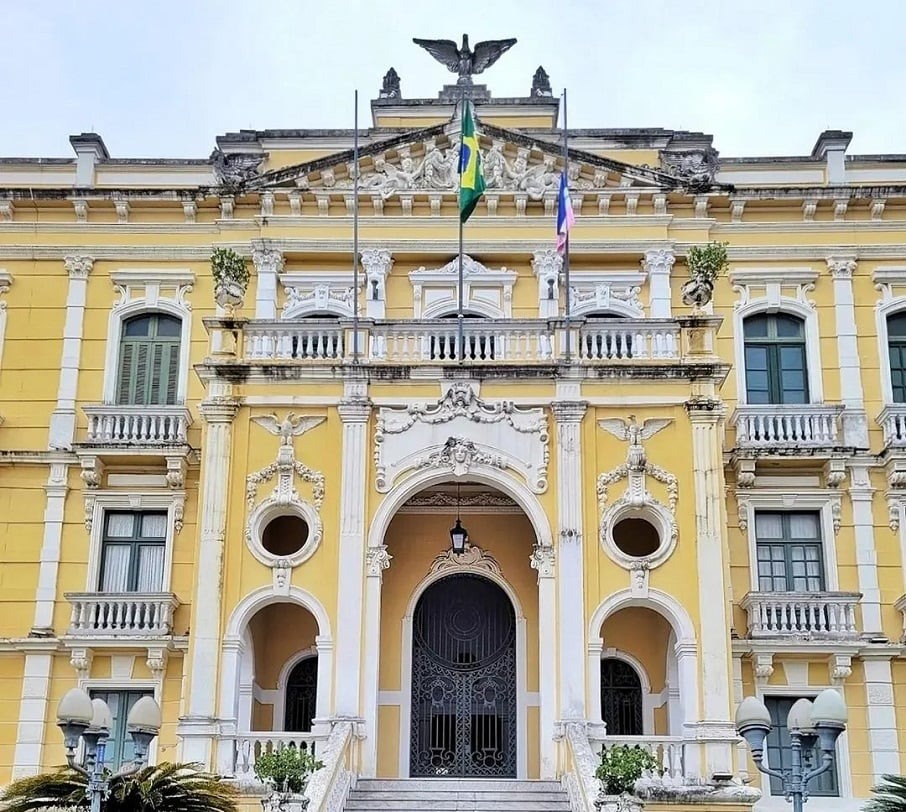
(149, 368)
(172, 372)
(124, 374)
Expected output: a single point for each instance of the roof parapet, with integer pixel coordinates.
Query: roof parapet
(90, 150)
(831, 146)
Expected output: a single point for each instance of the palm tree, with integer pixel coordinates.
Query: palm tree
(889, 796)
(162, 788)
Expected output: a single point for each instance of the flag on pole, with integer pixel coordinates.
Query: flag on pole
(471, 181)
(566, 218)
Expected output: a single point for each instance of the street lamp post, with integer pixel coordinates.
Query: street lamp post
(80, 717)
(809, 724)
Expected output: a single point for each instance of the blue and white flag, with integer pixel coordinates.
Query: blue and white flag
(566, 218)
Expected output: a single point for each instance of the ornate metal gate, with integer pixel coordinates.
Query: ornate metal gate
(464, 680)
(301, 695)
(621, 698)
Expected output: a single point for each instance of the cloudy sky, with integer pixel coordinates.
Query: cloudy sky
(164, 77)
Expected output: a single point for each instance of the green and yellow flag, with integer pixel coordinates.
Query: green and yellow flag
(471, 181)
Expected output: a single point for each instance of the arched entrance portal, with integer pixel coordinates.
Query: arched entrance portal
(463, 680)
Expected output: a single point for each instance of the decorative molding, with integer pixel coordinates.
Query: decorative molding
(78, 266)
(377, 559)
(473, 557)
(499, 434)
(841, 267)
(543, 560)
(763, 667)
(839, 668)
(469, 502)
(485, 291)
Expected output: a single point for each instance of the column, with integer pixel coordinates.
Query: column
(46, 594)
(882, 715)
(568, 412)
(658, 264)
(268, 265)
(198, 727)
(861, 494)
(33, 711)
(855, 422)
(543, 561)
(62, 421)
(715, 727)
(377, 560)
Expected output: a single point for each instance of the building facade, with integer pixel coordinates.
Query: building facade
(240, 502)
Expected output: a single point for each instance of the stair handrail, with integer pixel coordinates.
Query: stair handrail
(581, 783)
(329, 787)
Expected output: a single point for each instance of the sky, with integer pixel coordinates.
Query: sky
(164, 78)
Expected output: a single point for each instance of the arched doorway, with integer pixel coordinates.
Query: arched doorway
(301, 695)
(621, 698)
(463, 680)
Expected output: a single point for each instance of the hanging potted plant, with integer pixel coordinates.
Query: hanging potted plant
(286, 772)
(621, 766)
(706, 263)
(231, 278)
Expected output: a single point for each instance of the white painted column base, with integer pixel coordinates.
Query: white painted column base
(33, 712)
(883, 737)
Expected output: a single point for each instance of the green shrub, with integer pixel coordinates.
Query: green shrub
(228, 267)
(288, 768)
(707, 262)
(621, 766)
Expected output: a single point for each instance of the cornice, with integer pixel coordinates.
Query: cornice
(144, 276)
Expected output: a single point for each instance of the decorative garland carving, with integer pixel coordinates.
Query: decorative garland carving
(472, 557)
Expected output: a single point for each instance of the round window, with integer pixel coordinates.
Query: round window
(285, 535)
(636, 538)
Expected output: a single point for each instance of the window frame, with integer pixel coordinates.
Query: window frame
(774, 367)
(158, 373)
(122, 682)
(783, 305)
(885, 311)
(120, 721)
(787, 542)
(135, 542)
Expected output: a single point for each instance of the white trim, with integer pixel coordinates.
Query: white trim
(794, 501)
(269, 510)
(279, 722)
(654, 513)
(131, 503)
(147, 304)
(775, 303)
(264, 596)
(844, 774)
(883, 311)
(665, 605)
(521, 666)
(475, 274)
(6, 279)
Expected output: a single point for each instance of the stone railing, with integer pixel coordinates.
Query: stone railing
(787, 426)
(900, 606)
(121, 613)
(581, 761)
(820, 615)
(511, 342)
(329, 787)
(247, 748)
(668, 751)
(137, 425)
(893, 423)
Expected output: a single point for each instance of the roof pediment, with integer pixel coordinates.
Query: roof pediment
(426, 161)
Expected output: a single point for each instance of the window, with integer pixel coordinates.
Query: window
(149, 360)
(775, 359)
(621, 698)
(120, 748)
(779, 750)
(896, 349)
(132, 558)
(789, 552)
(301, 695)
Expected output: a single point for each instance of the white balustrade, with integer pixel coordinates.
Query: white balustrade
(669, 753)
(249, 747)
(305, 340)
(893, 423)
(133, 613)
(626, 339)
(137, 425)
(787, 426)
(825, 615)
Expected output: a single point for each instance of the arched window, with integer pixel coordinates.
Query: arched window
(148, 373)
(621, 698)
(301, 695)
(896, 349)
(776, 370)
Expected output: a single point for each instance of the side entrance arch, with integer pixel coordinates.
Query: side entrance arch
(463, 719)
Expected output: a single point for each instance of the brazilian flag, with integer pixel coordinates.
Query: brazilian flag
(471, 181)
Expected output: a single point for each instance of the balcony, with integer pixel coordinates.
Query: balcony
(137, 426)
(802, 616)
(118, 615)
(893, 423)
(787, 427)
(237, 754)
(500, 342)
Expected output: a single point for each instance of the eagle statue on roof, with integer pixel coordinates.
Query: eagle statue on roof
(464, 61)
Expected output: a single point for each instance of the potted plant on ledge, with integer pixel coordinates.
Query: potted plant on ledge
(231, 278)
(706, 263)
(285, 772)
(621, 766)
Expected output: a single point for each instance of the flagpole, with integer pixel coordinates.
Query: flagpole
(566, 355)
(355, 233)
(459, 304)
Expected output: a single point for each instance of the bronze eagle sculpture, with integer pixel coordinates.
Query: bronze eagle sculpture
(464, 61)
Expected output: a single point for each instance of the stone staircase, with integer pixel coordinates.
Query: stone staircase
(457, 795)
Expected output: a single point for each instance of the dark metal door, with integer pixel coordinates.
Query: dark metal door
(301, 695)
(464, 680)
(621, 698)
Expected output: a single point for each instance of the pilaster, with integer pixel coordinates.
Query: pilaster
(568, 412)
(46, 593)
(883, 740)
(376, 263)
(861, 494)
(268, 265)
(544, 561)
(658, 264)
(62, 421)
(33, 707)
(714, 644)
(855, 422)
(377, 559)
(218, 411)
(547, 265)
